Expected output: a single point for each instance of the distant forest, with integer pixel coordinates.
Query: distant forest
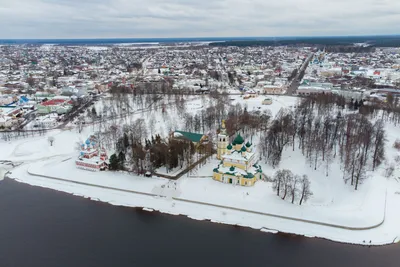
(330, 42)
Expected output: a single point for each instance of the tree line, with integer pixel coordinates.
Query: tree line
(324, 130)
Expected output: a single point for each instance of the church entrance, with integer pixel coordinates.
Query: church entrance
(230, 180)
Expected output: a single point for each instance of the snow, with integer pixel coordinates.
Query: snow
(229, 205)
(97, 48)
(255, 103)
(176, 134)
(163, 171)
(38, 147)
(335, 211)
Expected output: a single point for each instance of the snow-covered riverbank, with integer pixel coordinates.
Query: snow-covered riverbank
(373, 222)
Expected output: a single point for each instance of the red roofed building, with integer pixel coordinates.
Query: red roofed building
(60, 106)
(53, 102)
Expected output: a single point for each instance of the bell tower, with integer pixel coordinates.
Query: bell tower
(222, 141)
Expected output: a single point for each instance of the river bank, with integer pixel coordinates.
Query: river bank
(52, 228)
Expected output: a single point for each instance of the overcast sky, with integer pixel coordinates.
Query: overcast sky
(196, 18)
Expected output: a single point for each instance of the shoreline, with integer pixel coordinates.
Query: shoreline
(173, 205)
(263, 230)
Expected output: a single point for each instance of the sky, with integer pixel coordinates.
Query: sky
(196, 18)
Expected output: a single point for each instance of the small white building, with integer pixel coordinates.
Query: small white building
(267, 101)
(310, 90)
(46, 122)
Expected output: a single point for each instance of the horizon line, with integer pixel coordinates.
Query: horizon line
(208, 37)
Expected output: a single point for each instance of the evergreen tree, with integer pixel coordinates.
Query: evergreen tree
(120, 145)
(126, 140)
(94, 112)
(121, 159)
(114, 162)
(351, 104)
(147, 144)
(356, 105)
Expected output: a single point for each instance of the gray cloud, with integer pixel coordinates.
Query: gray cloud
(190, 18)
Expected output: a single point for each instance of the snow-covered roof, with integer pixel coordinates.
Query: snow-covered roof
(235, 155)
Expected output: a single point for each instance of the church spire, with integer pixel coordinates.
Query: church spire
(223, 129)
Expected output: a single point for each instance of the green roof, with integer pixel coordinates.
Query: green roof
(248, 144)
(238, 140)
(232, 168)
(229, 147)
(244, 149)
(248, 176)
(194, 137)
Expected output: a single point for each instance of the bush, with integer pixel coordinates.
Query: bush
(389, 171)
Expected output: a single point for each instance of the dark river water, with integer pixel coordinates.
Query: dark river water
(44, 228)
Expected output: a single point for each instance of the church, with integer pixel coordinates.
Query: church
(92, 157)
(238, 164)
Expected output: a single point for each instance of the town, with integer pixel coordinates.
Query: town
(296, 139)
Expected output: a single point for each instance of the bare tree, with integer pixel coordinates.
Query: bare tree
(51, 140)
(278, 137)
(379, 144)
(282, 182)
(287, 183)
(293, 187)
(305, 189)
(278, 181)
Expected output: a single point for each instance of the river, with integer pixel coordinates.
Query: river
(44, 228)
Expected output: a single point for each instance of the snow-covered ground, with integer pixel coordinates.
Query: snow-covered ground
(255, 103)
(203, 198)
(335, 211)
(158, 121)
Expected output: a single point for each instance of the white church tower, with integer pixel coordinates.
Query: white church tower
(223, 141)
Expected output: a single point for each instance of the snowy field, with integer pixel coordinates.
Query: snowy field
(255, 103)
(335, 211)
(161, 117)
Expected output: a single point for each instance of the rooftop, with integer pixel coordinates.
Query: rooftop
(194, 137)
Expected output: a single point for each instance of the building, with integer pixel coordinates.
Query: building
(200, 141)
(222, 142)
(238, 164)
(46, 122)
(274, 89)
(60, 106)
(267, 101)
(250, 95)
(311, 90)
(92, 157)
(188, 136)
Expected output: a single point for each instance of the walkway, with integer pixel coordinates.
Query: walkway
(218, 206)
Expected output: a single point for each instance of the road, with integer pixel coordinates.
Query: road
(294, 84)
(208, 205)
